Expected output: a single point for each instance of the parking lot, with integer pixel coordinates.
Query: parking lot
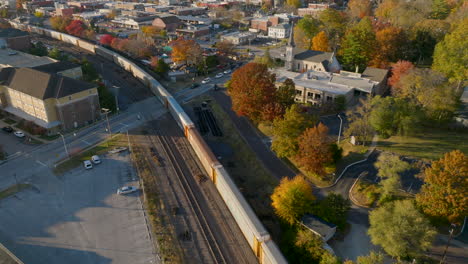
(12, 144)
(79, 218)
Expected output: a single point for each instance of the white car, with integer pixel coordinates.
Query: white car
(95, 159)
(127, 189)
(19, 134)
(227, 71)
(207, 80)
(219, 75)
(87, 164)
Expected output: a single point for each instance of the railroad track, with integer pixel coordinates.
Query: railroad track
(182, 178)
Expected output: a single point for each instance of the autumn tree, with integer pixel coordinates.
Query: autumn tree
(407, 13)
(431, 91)
(186, 51)
(400, 229)
(305, 30)
(440, 9)
(389, 167)
(437, 29)
(358, 45)
(106, 39)
(285, 93)
(266, 59)
(450, 56)
(161, 67)
(390, 41)
(251, 88)
(385, 8)
(286, 131)
(399, 69)
(359, 8)
(76, 28)
(292, 198)
(394, 116)
(372, 258)
(333, 209)
(60, 23)
(294, 3)
(334, 24)
(359, 124)
(320, 42)
(311, 243)
(444, 195)
(225, 48)
(150, 31)
(314, 150)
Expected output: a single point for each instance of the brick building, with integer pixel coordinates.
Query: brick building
(14, 39)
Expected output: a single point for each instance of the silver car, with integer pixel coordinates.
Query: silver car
(126, 190)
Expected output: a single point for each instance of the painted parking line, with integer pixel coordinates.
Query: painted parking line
(38, 161)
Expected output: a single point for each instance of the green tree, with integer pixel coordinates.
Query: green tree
(359, 124)
(106, 98)
(333, 209)
(38, 49)
(4, 13)
(306, 29)
(285, 93)
(286, 131)
(89, 72)
(422, 45)
(359, 8)
(444, 195)
(292, 198)
(389, 166)
(311, 243)
(266, 59)
(391, 116)
(161, 67)
(55, 53)
(400, 229)
(328, 258)
(450, 56)
(431, 91)
(334, 23)
(407, 13)
(372, 258)
(440, 9)
(358, 45)
(294, 3)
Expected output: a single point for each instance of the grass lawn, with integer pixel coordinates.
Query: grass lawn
(9, 121)
(13, 189)
(102, 148)
(430, 145)
(49, 138)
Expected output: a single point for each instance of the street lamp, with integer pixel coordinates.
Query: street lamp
(339, 132)
(64, 144)
(452, 228)
(106, 112)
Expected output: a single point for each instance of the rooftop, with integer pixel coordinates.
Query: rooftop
(11, 33)
(42, 85)
(317, 225)
(375, 74)
(13, 58)
(56, 67)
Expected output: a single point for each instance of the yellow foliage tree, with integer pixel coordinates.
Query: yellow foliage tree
(320, 42)
(292, 198)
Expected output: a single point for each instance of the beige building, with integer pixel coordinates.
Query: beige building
(51, 101)
(17, 59)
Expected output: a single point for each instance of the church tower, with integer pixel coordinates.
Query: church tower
(290, 50)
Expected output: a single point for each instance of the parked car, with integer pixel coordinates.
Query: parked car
(227, 71)
(7, 129)
(126, 189)
(95, 159)
(219, 75)
(207, 80)
(19, 134)
(194, 85)
(87, 164)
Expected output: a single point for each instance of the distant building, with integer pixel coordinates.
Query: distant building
(279, 31)
(194, 20)
(239, 38)
(14, 39)
(51, 101)
(194, 31)
(263, 23)
(318, 226)
(64, 68)
(133, 22)
(189, 11)
(167, 22)
(314, 9)
(17, 59)
(64, 11)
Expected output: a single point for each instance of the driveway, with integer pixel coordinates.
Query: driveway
(78, 218)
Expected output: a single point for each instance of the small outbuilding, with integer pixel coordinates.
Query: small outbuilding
(318, 226)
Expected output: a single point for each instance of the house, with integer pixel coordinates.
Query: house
(51, 101)
(14, 39)
(279, 31)
(238, 38)
(167, 22)
(193, 31)
(314, 9)
(263, 23)
(318, 226)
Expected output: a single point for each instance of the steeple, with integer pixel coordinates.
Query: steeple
(290, 50)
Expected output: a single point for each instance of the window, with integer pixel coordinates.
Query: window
(298, 92)
(329, 98)
(307, 66)
(317, 96)
(69, 97)
(310, 95)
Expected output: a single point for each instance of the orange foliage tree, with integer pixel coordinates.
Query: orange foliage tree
(320, 42)
(399, 69)
(314, 149)
(292, 198)
(389, 44)
(444, 194)
(359, 8)
(252, 90)
(59, 23)
(186, 51)
(76, 28)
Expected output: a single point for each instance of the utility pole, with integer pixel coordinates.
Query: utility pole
(64, 145)
(339, 132)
